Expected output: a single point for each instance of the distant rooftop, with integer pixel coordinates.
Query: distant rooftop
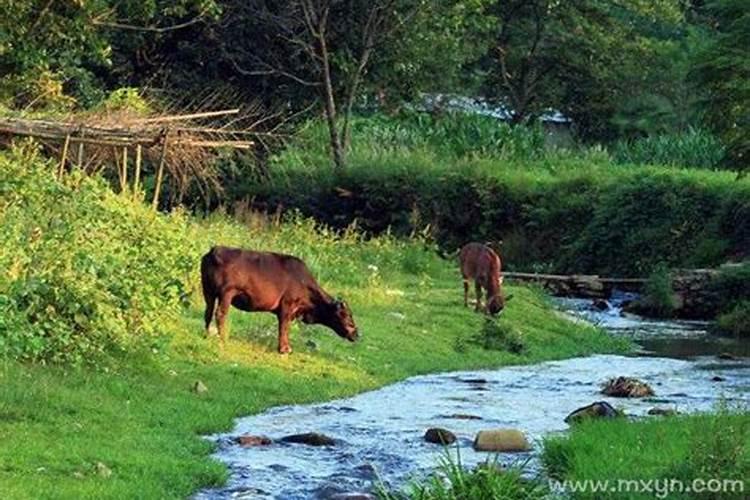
(481, 106)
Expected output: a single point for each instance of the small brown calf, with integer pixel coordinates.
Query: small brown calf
(482, 265)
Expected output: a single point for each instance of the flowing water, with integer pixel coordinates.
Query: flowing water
(379, 434)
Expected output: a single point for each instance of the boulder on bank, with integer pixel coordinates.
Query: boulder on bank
(626, 387)
(247, 440)
(310, 439)
(599, 409)
(501, 440)
(439, 436)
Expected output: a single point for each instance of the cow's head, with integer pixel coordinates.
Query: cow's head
(496, 304)
(337, 316)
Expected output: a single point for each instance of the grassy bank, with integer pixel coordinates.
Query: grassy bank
(701, 447)
(555, 210)
(101, 335)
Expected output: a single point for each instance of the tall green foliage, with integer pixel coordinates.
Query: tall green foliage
(722, 76)
(83, 272)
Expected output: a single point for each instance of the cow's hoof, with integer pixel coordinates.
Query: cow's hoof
(285, 349)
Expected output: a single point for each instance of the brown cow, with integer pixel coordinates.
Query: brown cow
(270, 282)
(480, 263)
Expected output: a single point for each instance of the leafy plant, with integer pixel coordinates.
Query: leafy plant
(736, 321)
(499, 335)
(659, 297)
(453, 481)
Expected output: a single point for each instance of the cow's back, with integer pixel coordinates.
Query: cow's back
(260, 274)
(479, 262)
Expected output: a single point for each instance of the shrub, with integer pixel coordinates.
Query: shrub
(499, 335)
(659, 297)
(736, 321)
(83, 272)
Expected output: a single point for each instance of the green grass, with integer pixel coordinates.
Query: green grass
(683, 448)
(487, 481)
(133, 409)
(142, 420)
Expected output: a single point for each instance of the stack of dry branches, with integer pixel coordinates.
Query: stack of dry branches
(181, 146)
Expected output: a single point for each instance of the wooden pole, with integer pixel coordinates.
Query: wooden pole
(124, 182)
(160, 172)
(137, 179)
(63, 157)
(80, 154)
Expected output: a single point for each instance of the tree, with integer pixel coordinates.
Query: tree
(324, 45)
(55, 52)
(722, 75)
(583, 57)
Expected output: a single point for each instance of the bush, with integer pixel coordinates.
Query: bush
(736, 321)
(82, 271)
(695, 148)
(499, 335)
(659, 297)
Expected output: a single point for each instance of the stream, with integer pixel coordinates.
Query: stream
(379, 434)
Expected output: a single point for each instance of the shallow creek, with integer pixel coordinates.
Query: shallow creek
(379, 434)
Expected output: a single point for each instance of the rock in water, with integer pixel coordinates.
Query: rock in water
(199, 387)
(664, 412)
(501, 440)
(310, 439)
(626, 387)
(247, 441)
(726, 355)
(717, 378)
(600, 305)
(439, 436)
(599, 409)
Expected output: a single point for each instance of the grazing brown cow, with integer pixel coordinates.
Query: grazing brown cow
(270, 282)
(481, 264)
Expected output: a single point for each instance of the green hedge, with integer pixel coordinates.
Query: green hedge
(566, 215)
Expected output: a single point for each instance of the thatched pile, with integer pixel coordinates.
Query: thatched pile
(126, 146)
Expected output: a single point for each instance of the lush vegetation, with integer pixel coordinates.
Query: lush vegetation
(626, 71)
(683, 448)
(114, 292)
(553, 209)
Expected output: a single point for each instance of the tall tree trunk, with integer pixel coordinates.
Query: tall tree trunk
(337, 150)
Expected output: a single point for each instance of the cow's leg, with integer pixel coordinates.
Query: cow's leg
(478, 289)
(466, 293)
(221, 315)
(208, 315)
(284, 322)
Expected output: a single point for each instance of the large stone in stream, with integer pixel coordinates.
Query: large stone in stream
(248, 441)
(439, 436)
(310, 439)
(626, 387)
(501, 440)
(599, 409)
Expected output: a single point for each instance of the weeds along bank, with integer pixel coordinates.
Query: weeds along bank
(96, 280)
(684, 456)
(567, 211)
